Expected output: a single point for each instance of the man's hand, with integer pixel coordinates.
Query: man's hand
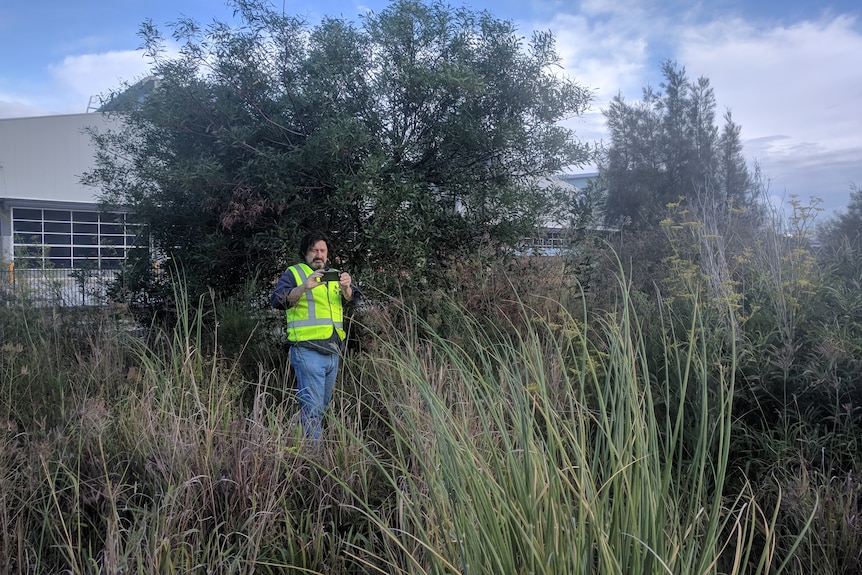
(313, 280)
(344, 282)
(310, 282)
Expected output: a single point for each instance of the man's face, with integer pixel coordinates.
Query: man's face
(316, 255)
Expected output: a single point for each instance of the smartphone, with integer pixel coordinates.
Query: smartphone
(330, 276)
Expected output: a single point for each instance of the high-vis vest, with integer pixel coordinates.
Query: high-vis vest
(317, 311)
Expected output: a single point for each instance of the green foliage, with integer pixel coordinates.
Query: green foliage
(668, 167)
(249, 332)
(145, 288)
(413, 137)
(788, 317)
(843, 228)
(795, 311)
(798, 419)
(667, 147)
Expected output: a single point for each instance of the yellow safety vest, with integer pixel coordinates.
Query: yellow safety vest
(317, 312)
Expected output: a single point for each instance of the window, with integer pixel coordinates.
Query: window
(67, 239)
(552, 241)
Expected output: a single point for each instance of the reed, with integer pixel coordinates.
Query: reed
(555, 449)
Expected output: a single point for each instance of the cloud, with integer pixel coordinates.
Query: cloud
(11, 106)
(93, 75)
(73, 82)
(794, 87)
(607, 55)
(805, 76)
(795, 90)
(601, 49)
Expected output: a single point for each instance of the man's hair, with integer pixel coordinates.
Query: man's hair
(312, 238)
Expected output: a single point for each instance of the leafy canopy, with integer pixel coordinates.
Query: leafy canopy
(413, 136)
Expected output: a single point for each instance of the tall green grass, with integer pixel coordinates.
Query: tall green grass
(544, 443)
(555, 450)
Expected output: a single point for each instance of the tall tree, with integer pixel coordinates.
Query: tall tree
(667, 147)
(734, 183)
(413, 135)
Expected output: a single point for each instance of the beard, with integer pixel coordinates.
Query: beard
(317, 264)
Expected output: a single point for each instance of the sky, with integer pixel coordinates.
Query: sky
(789, 71)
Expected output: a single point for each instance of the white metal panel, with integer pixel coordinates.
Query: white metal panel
(43, 158)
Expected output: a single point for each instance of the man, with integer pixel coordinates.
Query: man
(315, 325)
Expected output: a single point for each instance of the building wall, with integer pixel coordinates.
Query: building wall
(42, 160)
(579, 180)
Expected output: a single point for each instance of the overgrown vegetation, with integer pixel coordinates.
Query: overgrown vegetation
(412, 135)
(679, 393)
(528, 428)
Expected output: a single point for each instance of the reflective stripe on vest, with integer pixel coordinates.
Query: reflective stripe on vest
(318, 311)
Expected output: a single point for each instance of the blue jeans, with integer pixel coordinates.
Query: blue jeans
(315, 380)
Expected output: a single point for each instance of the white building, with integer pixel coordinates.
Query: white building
(48, 219)
(552, 242)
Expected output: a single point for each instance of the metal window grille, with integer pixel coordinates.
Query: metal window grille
(69, 239)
